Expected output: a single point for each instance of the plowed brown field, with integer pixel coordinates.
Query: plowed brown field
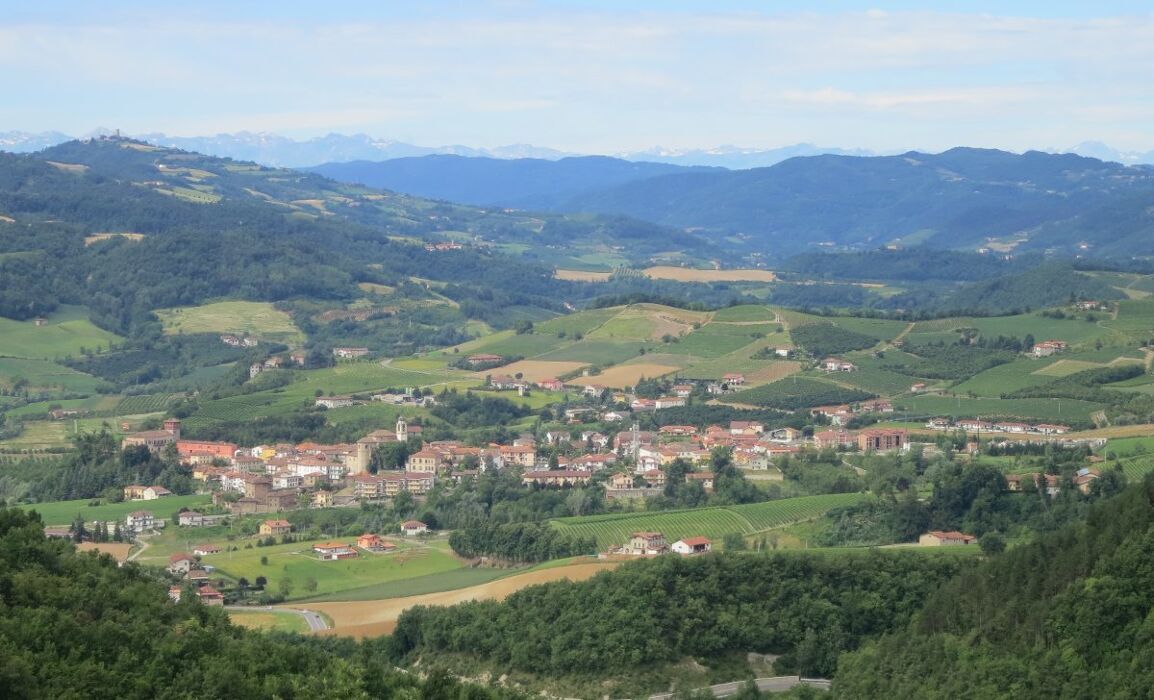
(373, 618)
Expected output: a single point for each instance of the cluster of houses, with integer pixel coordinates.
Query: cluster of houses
(840, 414)
(1048, 347)
(235, 341)
(1083, 480)
(977, 425)
(650, 544)
(869, 440)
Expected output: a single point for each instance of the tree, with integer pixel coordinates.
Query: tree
(286, 587)
(260, 582)
(733, 542)
(310, 585)
(992, 543)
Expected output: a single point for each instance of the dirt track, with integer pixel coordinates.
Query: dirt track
(373, 618)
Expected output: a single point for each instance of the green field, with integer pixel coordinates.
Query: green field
(68, 332)
(256, 318)
(1135, 317)
(580, 322)
(704, 344)
(745, 312)
(597, 352)
(1003, 379)
(297, 563)
(269, 620)
(45, 376)
(430, 583)
(64, 512)
(798, 392)
(880, 328)
(614, 529)
(1055, 410)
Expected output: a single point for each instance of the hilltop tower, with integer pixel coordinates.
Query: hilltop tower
(172, 425)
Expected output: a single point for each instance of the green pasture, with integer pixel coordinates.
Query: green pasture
(581, 322)
(95, 404)
(745, 313)
(628, 325)
(527, 345)
(45, 376)
(1051, 410)
(1135, 317)
(67, 333)
(880, 328)
(1070, 330)
(449, 580)
(297, 563)
(64, 512)
(1011, 376)
(754, 331)
(708, 345)
(614, 529)
(269, 621)
(597, 352)
(877, 380)
(237, 317)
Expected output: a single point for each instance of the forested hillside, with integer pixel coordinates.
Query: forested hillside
(124, 228)
(1067, 616)
(75, 625)
(960, 198)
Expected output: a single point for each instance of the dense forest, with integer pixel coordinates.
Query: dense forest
(76, 625)
(659, 611)
(1067, 616)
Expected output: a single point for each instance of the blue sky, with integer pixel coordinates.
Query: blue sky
(593, 76)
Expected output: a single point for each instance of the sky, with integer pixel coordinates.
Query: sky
(593, 76)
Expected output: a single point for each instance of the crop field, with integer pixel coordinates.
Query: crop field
(42, 375)
(714, 523)
(297, 563)
(537, 370)
(1134, 317)
(1137, 467)
(580, 322)
(269, 621)
(39, 409)
(685, 274)
(1002, 379)
(877, 380)
(744, 313)
(145, 403)
(1070, 330)
(752, 331)
(98, 237)
(1051, 410)
(527, 345)
(706, 345)
(797, 319)
(63, 512)
(628, 375)
(798, 392)
(430, 583)
(67, 332)
(581, 275)
(256, 318)
(880, 328)
(596, 352)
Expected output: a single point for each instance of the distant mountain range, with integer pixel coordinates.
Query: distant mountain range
(964, 198)
(274, 150)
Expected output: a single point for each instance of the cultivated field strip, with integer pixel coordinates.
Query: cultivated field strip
(714, 523)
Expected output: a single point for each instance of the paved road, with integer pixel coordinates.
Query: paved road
(778, 684)
(315, 620)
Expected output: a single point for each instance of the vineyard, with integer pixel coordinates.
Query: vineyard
(714, 523)
(145, 403)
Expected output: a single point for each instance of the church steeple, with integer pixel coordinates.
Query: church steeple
(402, 429)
